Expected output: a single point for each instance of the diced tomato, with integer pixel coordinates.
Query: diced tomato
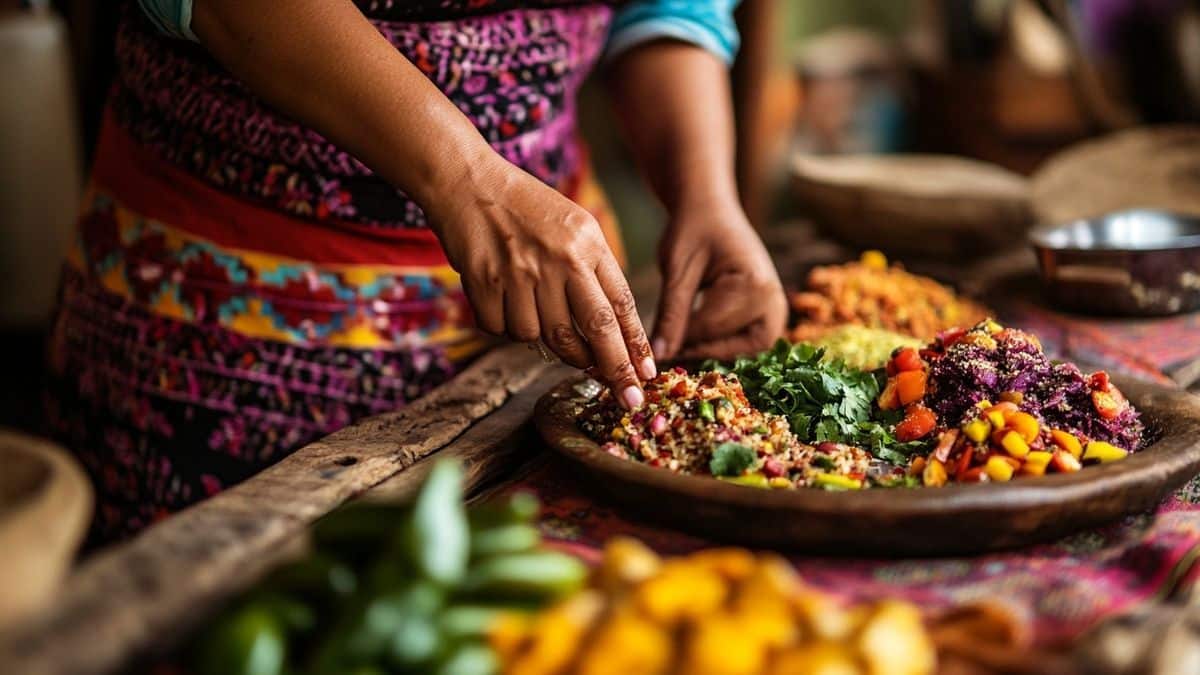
(945, 444)
(1099, 381)
(907, 359)
(679, 389)
(949, 337)
(910, 386)
(773, 468)
(964, 459)
(917, 423)
(975, 475)
(1106, 404)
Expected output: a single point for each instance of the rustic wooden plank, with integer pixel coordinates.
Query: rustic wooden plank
(136, 597)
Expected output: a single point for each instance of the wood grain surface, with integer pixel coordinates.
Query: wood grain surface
(139, 598)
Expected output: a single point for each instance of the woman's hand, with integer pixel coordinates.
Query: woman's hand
(721, 295)
(536, 266)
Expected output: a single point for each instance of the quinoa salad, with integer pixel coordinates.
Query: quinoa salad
(703, 424)
(979, 405)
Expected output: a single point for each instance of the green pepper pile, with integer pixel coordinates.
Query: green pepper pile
(394, 589)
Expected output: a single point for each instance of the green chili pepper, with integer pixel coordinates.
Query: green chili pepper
(505, 539)
(520, 507)
(468, 659)
(706, 411)
(438, 539)
(469, 621)
(248, 642)
(538, 574)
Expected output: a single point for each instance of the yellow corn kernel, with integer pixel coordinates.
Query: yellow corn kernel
(1105, 452)
(1067, 442)
(681, 590)
(1036, 462)
(821, 658)
(977, 429)
(618, 434)
(875, 260)
(1014, 445)
(780, 482)
(627, 562)
(719, 645)
(768, 447)
(733, 564)
(934, 474)
(997, 469)
(626, 643)
(894, 641)
(506, 634)
(556, 634)
(996, 418)
(826, 618)
(836, 481)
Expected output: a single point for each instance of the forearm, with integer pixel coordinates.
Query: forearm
(324, 64)
(674, 102)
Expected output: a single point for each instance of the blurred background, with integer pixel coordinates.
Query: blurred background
(1007, 82)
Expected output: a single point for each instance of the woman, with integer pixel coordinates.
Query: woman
(295, 207)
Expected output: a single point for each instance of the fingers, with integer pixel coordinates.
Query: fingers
(558, 329)
(746, 334)
(594, 314)
(681, 280)
(616, 289)
(521, 313)
(488, 303)
(726, 308)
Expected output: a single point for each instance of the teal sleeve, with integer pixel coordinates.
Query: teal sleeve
(171, 17)
(705, 23)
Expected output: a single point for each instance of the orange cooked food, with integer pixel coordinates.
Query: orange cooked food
(877, 295)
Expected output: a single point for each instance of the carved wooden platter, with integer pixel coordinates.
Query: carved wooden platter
(957, 519)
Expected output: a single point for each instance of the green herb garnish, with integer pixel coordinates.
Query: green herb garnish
(730, 459)
(822, 400)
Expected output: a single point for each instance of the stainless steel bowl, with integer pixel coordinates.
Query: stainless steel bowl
(1138, 262)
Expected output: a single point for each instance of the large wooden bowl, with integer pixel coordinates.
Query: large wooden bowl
(957, 519)
(914, 205)
(45, 506)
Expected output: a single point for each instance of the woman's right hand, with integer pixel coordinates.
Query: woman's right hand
(535, 265)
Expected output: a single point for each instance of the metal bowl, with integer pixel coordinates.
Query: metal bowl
(1138, 262)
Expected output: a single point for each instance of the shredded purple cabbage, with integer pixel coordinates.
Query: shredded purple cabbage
(982, 366)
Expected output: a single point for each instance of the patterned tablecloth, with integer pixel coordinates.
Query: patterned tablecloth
(1055, 591)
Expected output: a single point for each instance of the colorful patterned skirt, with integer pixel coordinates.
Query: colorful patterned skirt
(202, 336)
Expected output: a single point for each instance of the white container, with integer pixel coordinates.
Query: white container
(40, 172)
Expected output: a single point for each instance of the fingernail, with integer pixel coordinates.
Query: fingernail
(659, 346)
(647, 369)
(633, 398)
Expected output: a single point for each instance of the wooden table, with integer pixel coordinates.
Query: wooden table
(140, 598)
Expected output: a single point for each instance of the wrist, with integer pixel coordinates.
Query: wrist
(459, 178)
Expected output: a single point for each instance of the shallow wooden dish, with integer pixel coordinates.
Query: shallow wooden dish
(916, 205)
(45, 506)
(936, 521)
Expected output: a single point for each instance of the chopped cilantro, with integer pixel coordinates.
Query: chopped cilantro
(730, 459)
(822, 400)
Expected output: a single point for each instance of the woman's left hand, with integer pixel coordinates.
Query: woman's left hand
(721, 295)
